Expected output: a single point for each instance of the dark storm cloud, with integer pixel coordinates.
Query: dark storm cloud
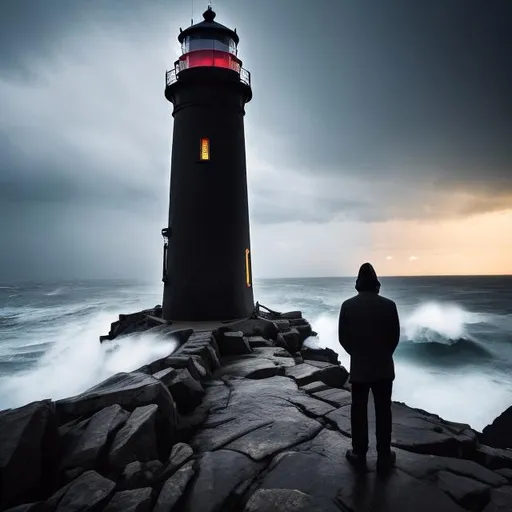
(381, 109)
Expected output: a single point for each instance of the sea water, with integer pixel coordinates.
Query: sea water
(454, 357)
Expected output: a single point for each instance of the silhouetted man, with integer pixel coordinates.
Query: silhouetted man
(369, 330)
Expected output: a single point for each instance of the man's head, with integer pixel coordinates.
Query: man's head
(367, 279)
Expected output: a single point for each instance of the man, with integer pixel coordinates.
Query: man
(369, 330)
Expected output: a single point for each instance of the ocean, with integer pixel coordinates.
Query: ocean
(454, 358)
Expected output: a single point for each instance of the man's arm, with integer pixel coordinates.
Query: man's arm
(343, 331)
(394, 328)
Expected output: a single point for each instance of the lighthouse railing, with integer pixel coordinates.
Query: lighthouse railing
(245, 76)
(172, 76)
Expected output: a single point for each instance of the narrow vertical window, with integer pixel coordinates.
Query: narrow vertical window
(247, 268)
(204, 151)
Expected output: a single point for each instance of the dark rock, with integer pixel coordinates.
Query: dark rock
(501, 500)
(493, 458)
(90, 491)
(188, 424)
(259, 341)
(291, 315)
(137, 474)
(136, 441)
(505, 472)
(417, 431)
(294, 322)
(336, 397)
(305, 331)
(174, 488)
(282, 500)
(136, 500)
(204, 350)
(314, 387)
(499, 433)
(180, 454)
(293, 340)
(311, 406)
(28, 507)
(69, 475)
(186, 391)
(28, 453)
(329, 482)
(426, 466)
(282, 353)
(285, 430)
(192, 363)
(468, 493)
(99, 430)
(282, 325)
(334, 376)
(233, 343)
(259, 419)
(280, 342)
(251, 368)
(320, 354)
(165, 376)
(129, 390)
(218, 475)
(256, 327)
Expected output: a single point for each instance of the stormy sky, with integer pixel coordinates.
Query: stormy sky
(379, 130)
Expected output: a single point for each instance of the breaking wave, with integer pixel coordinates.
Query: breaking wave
(60, 359)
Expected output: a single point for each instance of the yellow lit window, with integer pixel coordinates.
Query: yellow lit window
(204, 152)
(247, 269)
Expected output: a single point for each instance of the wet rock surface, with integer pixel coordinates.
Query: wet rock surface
(246, 418)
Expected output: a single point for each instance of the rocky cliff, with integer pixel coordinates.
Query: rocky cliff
(240, 418)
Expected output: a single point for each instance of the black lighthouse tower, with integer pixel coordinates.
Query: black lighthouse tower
(207, 258)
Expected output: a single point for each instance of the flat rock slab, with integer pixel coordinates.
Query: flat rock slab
(333, 396)
(28, 437)
(416, 430)
(332, 375)
(493, 458)
(286, 500)
(311, 405)
(251, 368)
(468, 493)
(314, 387)
(284, 431)
(99, 430)
(129, 390)
(219, 473)
(90, 491)
(173, 489)
(501, 500)
(136, 441)
(136, 500)
(331, 482)
(426, 466)
(259, 419)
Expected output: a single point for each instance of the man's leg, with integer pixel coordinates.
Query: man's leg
(383, 420)
(359, 418)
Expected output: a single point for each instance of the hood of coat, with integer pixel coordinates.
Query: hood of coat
(367, 280)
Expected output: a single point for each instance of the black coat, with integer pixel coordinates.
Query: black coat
(369, 330)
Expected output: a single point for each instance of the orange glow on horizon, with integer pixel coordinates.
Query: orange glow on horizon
(476, 245)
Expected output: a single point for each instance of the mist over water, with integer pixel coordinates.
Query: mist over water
(454, 357)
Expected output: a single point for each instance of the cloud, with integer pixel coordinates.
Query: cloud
(375, 123)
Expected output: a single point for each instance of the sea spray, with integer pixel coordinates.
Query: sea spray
(76, 361)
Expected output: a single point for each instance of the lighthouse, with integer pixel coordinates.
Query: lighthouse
(207, 254)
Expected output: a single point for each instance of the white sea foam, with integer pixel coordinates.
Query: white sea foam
(77, 361)
(439, 392)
